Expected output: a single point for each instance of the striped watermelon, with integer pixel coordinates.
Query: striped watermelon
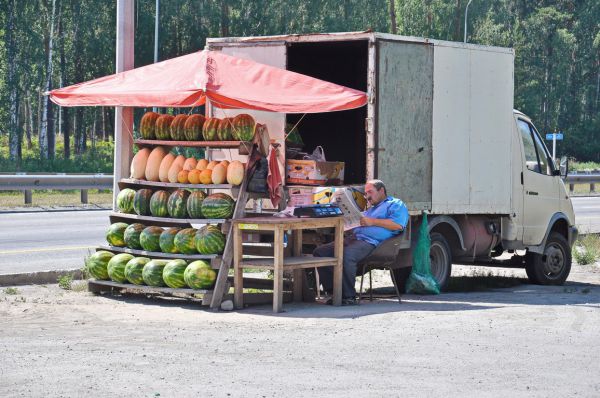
(141, 202)
(176, 205)
(152, 272)
(193, 127)
(97, 264)
(200, 275)
(163, 127)
(178, 127)
(125, 200)
(209, 130)
(167, 240)
(134, 268)
(218, 205)
(158, 204)
(114, 235)
(148, 125)
(210, 240)
(184, 241)
(194, 204)
(116, 267)
(149, 238)
(132, 235)
(243, 127)
(225, 130)
(173, 273)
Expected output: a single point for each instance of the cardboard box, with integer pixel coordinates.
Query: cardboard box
(303, 196)
(311, 172)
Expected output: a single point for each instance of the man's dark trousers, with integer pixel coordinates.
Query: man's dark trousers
(354, 251)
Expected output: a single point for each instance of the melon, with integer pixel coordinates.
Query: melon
(201, 165)
(175, 168)
(225, 130)
(199, 275)
(182, 177)
(134, 268)
(243, 127)
(219, 174)
(116, 267)
(165, 165)
(148, 125)
(189, 164)
(211, 165)
(209, 130)
(193, 127)
(194, 176)
(138, 164)
(173, 273)
(235, 173)
(225, 163)
(206, 176)
(177, 127)
(218, 205)
(153, 164)
(163, 127)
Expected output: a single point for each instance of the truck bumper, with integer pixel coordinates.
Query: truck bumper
(573, 234)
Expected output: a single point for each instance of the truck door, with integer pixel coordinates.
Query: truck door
(540, 186)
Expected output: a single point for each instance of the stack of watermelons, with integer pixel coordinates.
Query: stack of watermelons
(125, 268)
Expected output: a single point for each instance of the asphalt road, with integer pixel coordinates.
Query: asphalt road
(42, 241)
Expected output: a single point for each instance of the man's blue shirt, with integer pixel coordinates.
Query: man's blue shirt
(390, 208)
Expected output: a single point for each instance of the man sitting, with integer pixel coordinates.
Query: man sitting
(386, 217)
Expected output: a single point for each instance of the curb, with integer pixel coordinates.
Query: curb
(37, 278)
(51, 210)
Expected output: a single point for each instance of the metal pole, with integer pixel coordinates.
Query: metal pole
(466, 14)
(155, 109)
(554, 147)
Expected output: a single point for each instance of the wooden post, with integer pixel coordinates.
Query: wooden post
(84, 196)
(339, 255)
(278, 269)
(298, 273)
(123, 116)
(28, 196)
(238, 276)
(592, 188)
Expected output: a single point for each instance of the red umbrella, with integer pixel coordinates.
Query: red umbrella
(228, 82)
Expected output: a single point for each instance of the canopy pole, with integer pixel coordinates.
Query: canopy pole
(123, 115)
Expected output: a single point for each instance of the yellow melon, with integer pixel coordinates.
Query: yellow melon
(153, 164)
(165, 165)
(212, 164)
(219, 174)
(182, 177)
(205, 176)
(235, 172)
(175, 168)
(225, 163)
(194, 176)
(189, 164)
(201, 165)
(138, 164)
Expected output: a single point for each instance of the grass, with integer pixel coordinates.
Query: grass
(581, 166)
(65, 281)
(11, 291)
(55, 198)
(587, 249)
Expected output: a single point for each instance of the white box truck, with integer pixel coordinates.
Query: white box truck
(440, 131)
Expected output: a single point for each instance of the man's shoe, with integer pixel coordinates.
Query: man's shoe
(346, 301)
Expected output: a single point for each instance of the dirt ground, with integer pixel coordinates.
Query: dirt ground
(524, 340)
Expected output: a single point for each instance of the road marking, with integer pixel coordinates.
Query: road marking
(45, 249)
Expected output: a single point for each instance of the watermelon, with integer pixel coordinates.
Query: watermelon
(243, 127)
(173, 273)
(116, 267)
(193, 127)
(125, 200)
(134, 268)
(185, 241)
(210, 240)
(97, 264)
(199, 275)
(152, 272)
(149, 238)
(114, 235)
(225, 130)
(194, 204)
(177, 127)
(158, 204)
(132, 235)
(141, 202)
(148, 125)
(218, 205)
(163, 127)
(176, 205)
(167, 240)
(209, 130)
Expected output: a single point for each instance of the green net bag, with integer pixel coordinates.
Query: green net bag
(421, 281)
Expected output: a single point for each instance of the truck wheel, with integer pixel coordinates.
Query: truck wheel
(553, 266)
(441, 259)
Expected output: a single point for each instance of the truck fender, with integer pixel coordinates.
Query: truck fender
(436, 220)
(557, 216)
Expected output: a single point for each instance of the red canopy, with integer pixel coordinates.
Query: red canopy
(228, 82)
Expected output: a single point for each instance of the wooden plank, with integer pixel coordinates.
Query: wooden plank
(135, 182)
(166, 220)
(145, 253)
(238, 273)
(289, 262)
(298, 273)
(109, 285)
(278, 270)
(270, 223)
(338, 252)
(202, 144)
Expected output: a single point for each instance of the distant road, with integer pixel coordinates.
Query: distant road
(42, 241)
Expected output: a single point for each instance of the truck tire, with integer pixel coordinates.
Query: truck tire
(553, 266)
(441, 259)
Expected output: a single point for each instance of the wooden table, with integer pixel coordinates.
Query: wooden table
(279, 263)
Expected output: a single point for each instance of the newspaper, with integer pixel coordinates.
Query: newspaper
(352, 213)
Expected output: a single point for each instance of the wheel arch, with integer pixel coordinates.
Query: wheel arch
(449, 229)
(559, 223)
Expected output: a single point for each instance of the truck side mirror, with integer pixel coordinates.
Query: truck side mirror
(564, 166)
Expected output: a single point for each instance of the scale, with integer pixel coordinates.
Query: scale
(318, 211)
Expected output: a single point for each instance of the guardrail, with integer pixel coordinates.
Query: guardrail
(57, 181)
(583, 177)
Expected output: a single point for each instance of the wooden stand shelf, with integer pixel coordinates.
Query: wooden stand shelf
(128, 182)
(161, 221)
(289, 263)
(214, 259)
